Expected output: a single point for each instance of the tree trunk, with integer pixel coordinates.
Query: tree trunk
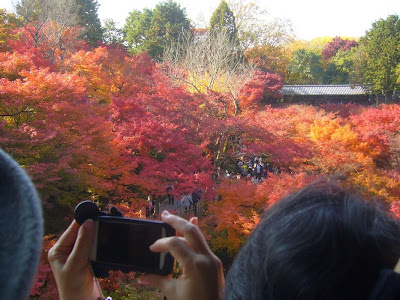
(387, 97)
(236, 104)
(376, 100)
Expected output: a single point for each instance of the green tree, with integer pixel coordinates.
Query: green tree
(223, 18)
(89, 20)
(398, 73)
(169, 21)
(153, 30)
(333, 74)
(342, 69)
(137, 24)
(382, 48)
(111, 33)
(305, 67)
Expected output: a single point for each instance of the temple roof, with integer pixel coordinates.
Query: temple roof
(338, 89)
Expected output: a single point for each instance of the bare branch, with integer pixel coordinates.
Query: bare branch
(206, 62)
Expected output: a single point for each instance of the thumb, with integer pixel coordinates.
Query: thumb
(83, 245)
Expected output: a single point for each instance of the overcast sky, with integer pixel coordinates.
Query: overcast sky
(310, 18)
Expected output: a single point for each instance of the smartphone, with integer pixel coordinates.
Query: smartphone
(123, 244)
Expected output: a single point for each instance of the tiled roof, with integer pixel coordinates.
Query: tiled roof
(341, 89)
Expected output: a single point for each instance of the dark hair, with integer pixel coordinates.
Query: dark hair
(319, 243)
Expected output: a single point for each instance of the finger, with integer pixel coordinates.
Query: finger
(59, 253)
(68, 238)
(194, 221)
(192, 233)
(163, 283)
(176, 246)
(84, 243)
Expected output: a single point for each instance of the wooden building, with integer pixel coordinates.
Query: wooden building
(324, 94)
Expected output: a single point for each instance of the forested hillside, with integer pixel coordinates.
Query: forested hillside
(118, 115)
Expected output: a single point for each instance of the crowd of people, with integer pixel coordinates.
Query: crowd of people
(188, 202)
(253, 169)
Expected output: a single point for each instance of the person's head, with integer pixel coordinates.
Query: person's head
(21, 230)
(319, 243)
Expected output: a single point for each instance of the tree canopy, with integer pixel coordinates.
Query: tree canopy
(255, 27)
(152, 30)
(89, 20)
(305, 68)
(59, 26)
(335, 45)
(223, 19)
(8, 23)
(381, 45)
(112, 34)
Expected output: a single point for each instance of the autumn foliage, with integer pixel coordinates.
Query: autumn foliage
(335, 45)
(105, 125)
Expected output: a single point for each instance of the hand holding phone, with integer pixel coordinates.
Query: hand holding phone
(123, 243)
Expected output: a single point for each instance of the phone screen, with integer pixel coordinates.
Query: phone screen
(128, 243)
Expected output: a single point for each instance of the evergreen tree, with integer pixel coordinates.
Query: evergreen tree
(89, 20)
(153, 30)
(168, 23)
(223, 19)
(135, 30)
(382, 44)
(111, 33)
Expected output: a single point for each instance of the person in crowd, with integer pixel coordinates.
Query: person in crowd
(245, 167)
(149, 207)
(268, 167)
(258, 171)
(239, 167)
(170, 196)
(255, 161)
(196, 195)
(252, 161)
(261, 163)
(318, 243)
(265, 172)
(249, 171)
(186, 201)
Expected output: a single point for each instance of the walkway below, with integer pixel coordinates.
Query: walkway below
(180, 211)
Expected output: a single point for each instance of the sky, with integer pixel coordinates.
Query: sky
(310, 18)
